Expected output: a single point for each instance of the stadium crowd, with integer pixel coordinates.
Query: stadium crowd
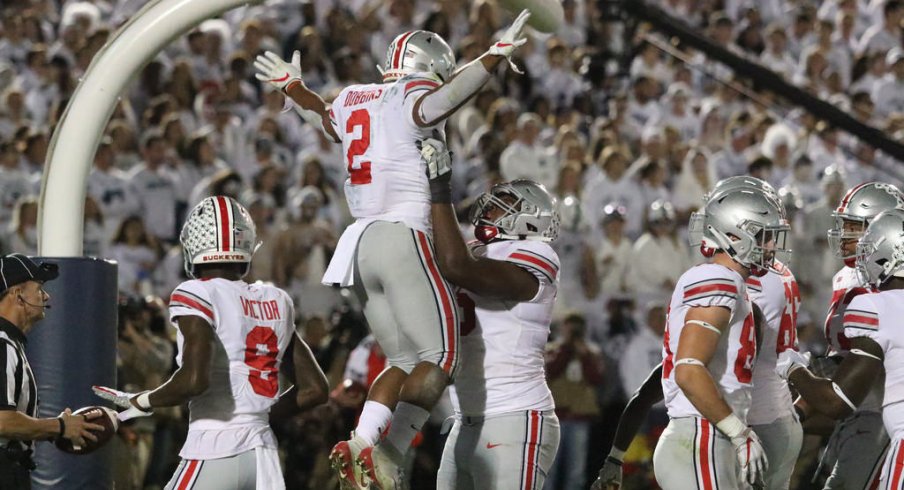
(628, 137)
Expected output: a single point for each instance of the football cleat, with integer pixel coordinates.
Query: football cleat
(382, 469)
(342, 461)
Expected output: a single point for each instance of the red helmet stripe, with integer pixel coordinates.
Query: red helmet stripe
(399, 48)
(225, 223)
(849, 196)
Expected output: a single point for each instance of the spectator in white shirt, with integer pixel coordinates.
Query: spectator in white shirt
(888, 94)
(779, 145)
(875, 71)
(613, 253)
(525, 157)
(643, 106)
(643, 350)
(613, 185)
(14, 182)
(155, 188)
(109, 188)
(23, 229)
(677, 113)
(659, 256)
(697, 177)
(732, 160)
(885, 36)
(775, 56)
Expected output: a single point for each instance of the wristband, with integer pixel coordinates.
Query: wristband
(62, 425)
(441, 191)
(143, 401)
(731, 426)
(617, 454)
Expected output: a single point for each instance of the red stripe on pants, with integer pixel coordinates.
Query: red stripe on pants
(531, 449)
(446, 300)
(188, 475)
(705, 434)
(899, 465)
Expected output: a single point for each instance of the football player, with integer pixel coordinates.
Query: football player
(865, 441)
(387, 255)
(776, 299)
(710, 346)
(506, 432)
(232, 338)
(875, 342)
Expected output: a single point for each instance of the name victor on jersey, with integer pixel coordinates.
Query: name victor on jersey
(260, 310)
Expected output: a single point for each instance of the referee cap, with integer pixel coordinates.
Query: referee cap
(17, 268)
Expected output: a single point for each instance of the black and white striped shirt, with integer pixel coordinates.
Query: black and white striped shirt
(19, 391)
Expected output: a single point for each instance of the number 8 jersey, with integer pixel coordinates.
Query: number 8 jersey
(254, 326)
(386, 177)
(731, 365)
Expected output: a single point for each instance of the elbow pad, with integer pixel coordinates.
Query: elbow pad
(437, 105)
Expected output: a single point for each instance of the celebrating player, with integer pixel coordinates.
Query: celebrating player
(776, 299)
(710, 347)
(865, 440)
(875, 342)
(506, 432)
(387, 255)
(232, 339)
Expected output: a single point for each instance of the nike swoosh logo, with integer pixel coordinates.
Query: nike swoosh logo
(283, 79)
(503, 45)
(491, 446)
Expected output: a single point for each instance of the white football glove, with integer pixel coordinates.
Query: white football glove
(511, 40)
(437, 157)
(121, 399)
(788, 361)
(751, 457)
(610, 475)
(276, 71)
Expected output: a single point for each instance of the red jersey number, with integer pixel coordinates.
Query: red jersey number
(361, 174)
(747, 353)
(261, 349)
(787, 331)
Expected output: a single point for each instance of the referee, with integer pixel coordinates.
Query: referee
(22, 304)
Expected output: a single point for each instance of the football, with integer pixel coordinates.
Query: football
(545, 15)
(107, 419)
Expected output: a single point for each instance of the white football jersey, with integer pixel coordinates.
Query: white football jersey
(254, 325)
(845, 286)
(778, 297)
(386, 177)
(502, 367)
(878, 316)
(732, 363)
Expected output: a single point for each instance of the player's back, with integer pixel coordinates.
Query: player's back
(778, 297)
(878, 316)
(731, 366)
(254, 325)
(387, 179)
(503, 342)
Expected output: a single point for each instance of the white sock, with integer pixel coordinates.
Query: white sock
(373, 421)
(407, 421)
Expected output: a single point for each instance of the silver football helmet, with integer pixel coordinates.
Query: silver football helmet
(218, 230)
(746, 224)
(859, 205)
(418, 51)
(724, 186)
(528, 213)
(880, 252)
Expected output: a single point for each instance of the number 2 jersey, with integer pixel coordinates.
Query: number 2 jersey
(254, 325)
(503, 343)
(732, 362)
(878, 316)
(387, 179)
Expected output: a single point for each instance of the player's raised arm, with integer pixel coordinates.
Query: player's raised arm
(287, 78)
(439, 103)
(486, 277)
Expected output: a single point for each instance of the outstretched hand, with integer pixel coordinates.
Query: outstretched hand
(511, 40)
(438, 160)
(277, 72)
